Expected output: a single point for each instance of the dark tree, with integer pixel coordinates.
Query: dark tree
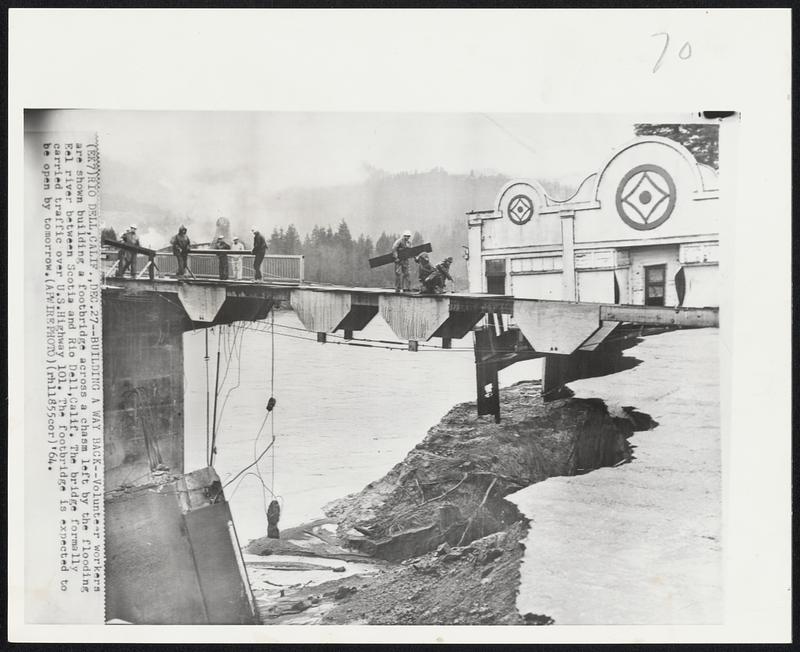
(701, 140)
(108, 233)
(291, 241)
(276, 245)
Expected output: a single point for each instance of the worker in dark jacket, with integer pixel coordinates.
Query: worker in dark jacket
(436, 280)
(259, 251)
(180, 248)
(220, 243)
(127, 259)
(401, 279)
(425, 270)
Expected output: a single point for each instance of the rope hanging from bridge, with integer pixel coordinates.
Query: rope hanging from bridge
(229, 348)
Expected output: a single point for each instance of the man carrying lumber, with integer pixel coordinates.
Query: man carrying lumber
(401, 279)
(180, 248)
(127, 259)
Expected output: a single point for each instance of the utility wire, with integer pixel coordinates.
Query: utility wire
(509, 133)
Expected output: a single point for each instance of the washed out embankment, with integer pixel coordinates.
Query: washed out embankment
(442, 510)
(450, 488)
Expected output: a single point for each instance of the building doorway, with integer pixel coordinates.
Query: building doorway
(655, 278)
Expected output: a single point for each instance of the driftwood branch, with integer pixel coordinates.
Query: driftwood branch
(477, 509)
(430, 500)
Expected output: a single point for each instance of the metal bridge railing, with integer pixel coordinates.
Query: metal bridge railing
(277, 267)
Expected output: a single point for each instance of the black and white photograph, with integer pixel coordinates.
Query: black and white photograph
(310, 368)
(405, 395)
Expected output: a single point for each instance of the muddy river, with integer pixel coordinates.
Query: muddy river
(344, 415)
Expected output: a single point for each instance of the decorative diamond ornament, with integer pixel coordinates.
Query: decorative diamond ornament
(520, 209)
(646, 197)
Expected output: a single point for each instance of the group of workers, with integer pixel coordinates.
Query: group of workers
(181, 246)
(432, 278)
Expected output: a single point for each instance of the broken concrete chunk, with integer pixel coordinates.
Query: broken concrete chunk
(344, 591)
(537, 619)
(490, 555)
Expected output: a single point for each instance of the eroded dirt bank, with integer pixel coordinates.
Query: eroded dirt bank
(441, 517)
(450, 487)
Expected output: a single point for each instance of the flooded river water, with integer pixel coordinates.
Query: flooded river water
(344, 415)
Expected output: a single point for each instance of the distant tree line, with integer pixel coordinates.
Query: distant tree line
(337, 257)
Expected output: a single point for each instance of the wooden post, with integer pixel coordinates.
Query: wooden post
(322, 337)
(569, 285)
(413, 345)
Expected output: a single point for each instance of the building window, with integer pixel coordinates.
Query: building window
(655, 277)
(496, 276)
(699, 253)
(534, 265)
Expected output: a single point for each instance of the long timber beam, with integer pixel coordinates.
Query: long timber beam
(551, 327)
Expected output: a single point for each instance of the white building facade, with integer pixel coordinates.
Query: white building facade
(643, 230)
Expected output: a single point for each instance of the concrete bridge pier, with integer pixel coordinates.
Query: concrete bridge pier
(333, 310)
(142, 387)
(172, 556)
(427, 317)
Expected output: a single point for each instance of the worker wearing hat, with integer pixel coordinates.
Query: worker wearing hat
(435, 282)
(236, 261)
(180, 248)
(401, 279)
(127, 259)
(425, 270)
(259, 251)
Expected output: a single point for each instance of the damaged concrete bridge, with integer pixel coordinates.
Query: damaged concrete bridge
(143, 325)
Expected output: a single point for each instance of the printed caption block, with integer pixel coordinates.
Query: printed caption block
(68, 200)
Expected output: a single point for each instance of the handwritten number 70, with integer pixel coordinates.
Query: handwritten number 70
(684, 53)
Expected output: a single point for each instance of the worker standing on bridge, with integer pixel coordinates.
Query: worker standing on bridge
(401, 279)
(236, 261)
(220, 243)
(127, 259)
(259, 251)
(180, 247)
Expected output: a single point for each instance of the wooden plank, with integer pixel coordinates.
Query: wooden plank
(227, 252)
(407, 252)
(657, 316)
(129, 247)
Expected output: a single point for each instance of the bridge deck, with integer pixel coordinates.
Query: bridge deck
(456, 302)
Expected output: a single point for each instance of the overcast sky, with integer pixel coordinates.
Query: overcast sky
(313, 149)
